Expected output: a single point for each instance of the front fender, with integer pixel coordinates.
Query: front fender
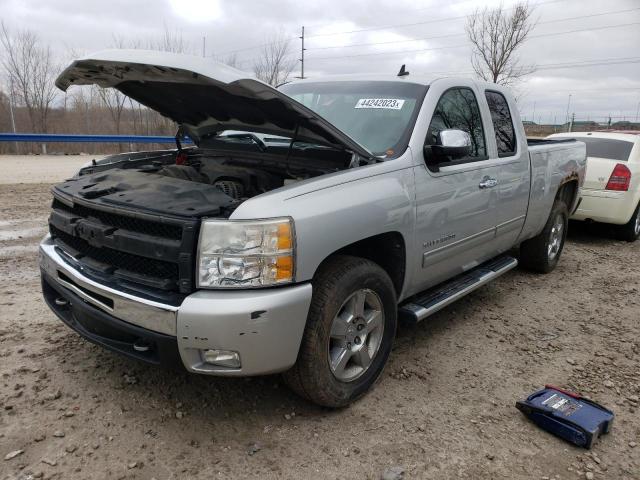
(364, 202)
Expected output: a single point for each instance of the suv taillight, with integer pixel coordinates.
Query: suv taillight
(619, 179)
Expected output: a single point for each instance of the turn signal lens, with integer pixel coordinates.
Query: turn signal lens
(620, 178)
(284, 269)
(284, 236)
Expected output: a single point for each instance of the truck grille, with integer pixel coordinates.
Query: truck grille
(126, 223)
(125, 249)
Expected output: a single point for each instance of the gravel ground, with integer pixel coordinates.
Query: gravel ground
(444, 407)
(29, 168)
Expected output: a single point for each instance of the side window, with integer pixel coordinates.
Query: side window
(458, 109)
(502, 124)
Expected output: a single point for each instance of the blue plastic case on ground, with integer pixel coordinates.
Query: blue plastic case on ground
(567, 415)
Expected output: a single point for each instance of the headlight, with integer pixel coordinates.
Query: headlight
(245, 253)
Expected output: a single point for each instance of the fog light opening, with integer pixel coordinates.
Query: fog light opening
(221, 358)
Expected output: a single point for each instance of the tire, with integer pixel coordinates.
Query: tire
(631, 230)
(334, 333)
(542, 252)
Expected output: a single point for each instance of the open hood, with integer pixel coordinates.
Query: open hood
(203, 96)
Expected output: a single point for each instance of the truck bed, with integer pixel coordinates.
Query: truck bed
(534, 142)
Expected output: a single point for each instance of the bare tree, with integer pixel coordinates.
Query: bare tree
(231, 60)
(31, 71)
(114, 100)
(496, 36)
(171, 42)
(275, 62)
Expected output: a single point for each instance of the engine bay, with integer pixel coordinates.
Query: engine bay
(189, 182)
(237, 181)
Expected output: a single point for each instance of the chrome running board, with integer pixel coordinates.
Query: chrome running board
(430, 301)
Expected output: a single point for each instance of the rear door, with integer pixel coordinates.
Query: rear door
(513, 169)
(456, 220)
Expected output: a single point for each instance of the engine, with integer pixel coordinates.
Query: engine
(238, 182)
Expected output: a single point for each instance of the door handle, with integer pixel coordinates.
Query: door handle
(488, 182)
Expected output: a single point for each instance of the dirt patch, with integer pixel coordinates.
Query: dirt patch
(444, 407)
(15, 169)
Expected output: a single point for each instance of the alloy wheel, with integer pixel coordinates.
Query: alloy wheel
(555, 237)
(356, 335)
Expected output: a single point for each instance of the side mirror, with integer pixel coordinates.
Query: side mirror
(451, 144)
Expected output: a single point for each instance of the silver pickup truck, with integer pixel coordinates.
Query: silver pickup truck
(302, 222)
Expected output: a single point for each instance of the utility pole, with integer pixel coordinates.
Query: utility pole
(534, 112)
(638, 112)
(573, 119)
(302, 54)
(568, 105)
(13, 120)
(204, 43)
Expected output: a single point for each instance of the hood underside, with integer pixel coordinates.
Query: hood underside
(204, 97)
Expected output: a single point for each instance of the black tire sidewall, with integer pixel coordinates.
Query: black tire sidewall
(534, 254)
(628, 231)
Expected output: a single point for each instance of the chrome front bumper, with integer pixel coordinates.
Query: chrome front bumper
(265, 326)
(135, 310)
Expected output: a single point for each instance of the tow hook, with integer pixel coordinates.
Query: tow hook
(141, 346)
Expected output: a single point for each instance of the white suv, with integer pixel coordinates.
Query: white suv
(611, 192)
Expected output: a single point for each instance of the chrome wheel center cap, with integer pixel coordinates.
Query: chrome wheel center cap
(351, 333)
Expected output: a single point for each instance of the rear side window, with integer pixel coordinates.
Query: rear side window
(458, 109)
(607, 148)
(502, 124)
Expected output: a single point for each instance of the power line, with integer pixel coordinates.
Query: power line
(435, 20)
(403, 52)
(589, 16)
(598, 64)
(584, 30)
(464, 34)
(333, 57)
(578, 62)
(389, 42)
(562, 65)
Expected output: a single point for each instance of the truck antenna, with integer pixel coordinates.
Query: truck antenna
(403, 72)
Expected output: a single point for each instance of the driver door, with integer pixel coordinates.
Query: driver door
(455, 200)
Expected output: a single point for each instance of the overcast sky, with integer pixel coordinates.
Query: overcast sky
(403, 30)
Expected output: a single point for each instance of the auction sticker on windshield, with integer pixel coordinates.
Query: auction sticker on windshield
(390, 103)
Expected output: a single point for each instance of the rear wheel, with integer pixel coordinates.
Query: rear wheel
(542, 252)
(631, 231)
(349, 332)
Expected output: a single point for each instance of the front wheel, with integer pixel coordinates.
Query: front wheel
(631, 231)
(542, 252)
(350, 329)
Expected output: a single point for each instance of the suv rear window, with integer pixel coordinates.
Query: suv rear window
(607, 148)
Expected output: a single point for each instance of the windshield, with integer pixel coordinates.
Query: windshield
(377, 115)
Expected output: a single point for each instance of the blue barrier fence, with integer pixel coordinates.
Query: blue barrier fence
(63, 138)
